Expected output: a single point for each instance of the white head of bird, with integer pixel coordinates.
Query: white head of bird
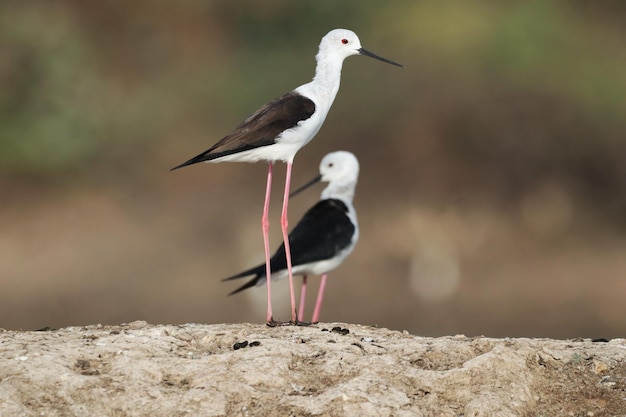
(341, 170)
(337, 45)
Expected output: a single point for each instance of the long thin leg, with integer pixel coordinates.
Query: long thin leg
(302, 299)
(284, 224)
(265, 223)
(318, 302)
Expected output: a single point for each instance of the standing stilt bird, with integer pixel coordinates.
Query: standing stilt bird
(324, 237)
(280, 128)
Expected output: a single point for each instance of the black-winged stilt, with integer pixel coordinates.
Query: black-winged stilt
(324, 237)
(280, 128)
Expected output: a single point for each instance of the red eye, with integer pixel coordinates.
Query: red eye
(344, 41)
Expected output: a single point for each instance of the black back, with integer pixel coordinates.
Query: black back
(324, 231)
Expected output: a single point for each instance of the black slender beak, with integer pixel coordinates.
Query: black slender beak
(380, 58)
(307, 185)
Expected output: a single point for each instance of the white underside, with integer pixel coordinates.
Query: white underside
(283, 151)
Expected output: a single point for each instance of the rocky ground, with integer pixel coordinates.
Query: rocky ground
(328, 369)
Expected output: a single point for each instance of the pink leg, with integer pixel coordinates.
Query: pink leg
(318, 302)
(265, 223)
(302, 299)
(284, 224)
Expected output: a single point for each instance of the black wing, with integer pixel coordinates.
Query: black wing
(260, 128)
(324, 231)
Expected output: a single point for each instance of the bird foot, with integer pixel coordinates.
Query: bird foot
(273, 323)
(301, 323)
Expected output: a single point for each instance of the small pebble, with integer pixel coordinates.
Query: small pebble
(340, 330)
(240, 345)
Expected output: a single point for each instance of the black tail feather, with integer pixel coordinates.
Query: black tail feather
(199, 158)
(247, 285)
(257, 271)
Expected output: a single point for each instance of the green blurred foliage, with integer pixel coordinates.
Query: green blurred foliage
(524, 89)
(47, 76)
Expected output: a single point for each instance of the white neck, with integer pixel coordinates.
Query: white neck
(339, 191)
(327, 77)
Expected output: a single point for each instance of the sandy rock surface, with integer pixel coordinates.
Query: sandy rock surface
(329, 369)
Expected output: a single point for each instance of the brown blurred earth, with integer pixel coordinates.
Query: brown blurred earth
(492, 193)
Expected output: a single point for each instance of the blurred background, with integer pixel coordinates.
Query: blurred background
(492, 195)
